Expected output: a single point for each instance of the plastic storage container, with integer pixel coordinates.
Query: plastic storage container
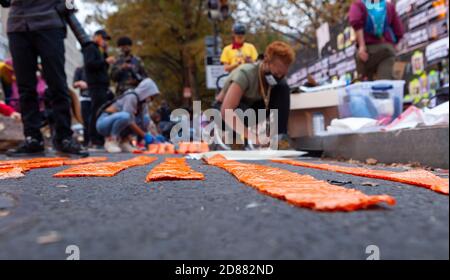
(381, 100)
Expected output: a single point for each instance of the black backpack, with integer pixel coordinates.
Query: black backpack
(112, 101)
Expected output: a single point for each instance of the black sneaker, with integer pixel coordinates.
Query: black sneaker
(71, 147)
(29, 147)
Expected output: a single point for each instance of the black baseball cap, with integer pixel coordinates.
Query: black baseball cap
(124, 41)
(103, 33)
(239, 29)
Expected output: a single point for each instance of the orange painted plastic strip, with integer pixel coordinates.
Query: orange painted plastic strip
(418, 177)
(183, 148)
(38, 163)
(170, 149)
(300, 190)
(153, 149)
(160, 149)
(29, 161)
(192, 147)
(106, 169)
(174, 169)
(17, 168)
(85, 160)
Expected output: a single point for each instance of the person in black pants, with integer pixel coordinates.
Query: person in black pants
(97, 63)
(260, 86)
(35, 29)
(79, 82)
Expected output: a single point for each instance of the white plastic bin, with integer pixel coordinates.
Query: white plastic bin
(381, 100)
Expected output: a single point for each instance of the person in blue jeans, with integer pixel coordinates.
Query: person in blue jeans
(128, 115)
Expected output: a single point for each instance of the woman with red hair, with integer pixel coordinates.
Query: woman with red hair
(261, 86)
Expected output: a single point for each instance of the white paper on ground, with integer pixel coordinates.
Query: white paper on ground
(437, 115)
(413, 117)
(13, 174)
(351, 125)
(249, 155)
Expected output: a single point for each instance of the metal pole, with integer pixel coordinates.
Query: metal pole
(216, 38)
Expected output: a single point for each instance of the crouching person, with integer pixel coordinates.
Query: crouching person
(126, 116)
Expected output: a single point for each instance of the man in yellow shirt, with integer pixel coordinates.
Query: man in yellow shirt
(239, 52)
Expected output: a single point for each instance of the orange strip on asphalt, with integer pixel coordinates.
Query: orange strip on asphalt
(106, 169)
(38, 163)
(29, 161)
(183, 148)
(300, 190)
(85, 160)
(192, 147)
(170, 149)
(163, 149)
(174, 169)
(17, 168)
(160, 149)
(418, 177)
(153, 149)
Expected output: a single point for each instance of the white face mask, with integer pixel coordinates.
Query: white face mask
(271, 80)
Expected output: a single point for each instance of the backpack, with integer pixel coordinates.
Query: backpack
(370, 26)
(112, 101)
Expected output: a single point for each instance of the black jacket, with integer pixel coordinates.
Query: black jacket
(125, 78)
(34, 15)
(96, 66)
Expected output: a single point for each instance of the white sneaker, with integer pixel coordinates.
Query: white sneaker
(112, 147)
(127, 147)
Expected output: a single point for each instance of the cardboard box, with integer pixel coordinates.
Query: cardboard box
(11, 133)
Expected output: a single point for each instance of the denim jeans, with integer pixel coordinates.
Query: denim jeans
(117, 124)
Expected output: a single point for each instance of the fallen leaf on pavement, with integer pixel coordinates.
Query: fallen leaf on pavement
(370, 184)
(3, 213)
(49, 238)
(252, 205)
(339, 183)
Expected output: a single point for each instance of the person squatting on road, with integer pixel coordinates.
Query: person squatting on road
(35, 29)
(261, 86)
(128, 115)
(378, 29)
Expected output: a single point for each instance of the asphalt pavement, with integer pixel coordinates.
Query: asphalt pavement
(219, 218)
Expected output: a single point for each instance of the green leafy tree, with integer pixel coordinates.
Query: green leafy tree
(169, 36)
